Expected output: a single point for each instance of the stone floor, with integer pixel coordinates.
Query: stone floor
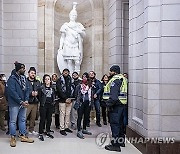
(66, 145)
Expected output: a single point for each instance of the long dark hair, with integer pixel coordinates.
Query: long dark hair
(45, 75)
(89, 82)
(104, 76)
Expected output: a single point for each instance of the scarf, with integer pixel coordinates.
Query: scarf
(85, 89)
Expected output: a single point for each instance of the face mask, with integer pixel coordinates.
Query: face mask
(84, 81)
(4, 78)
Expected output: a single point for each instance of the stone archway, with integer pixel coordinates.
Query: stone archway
(47, 43)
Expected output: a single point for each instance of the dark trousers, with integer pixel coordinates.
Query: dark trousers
(57, 124)
(125, 115)
(98, 111)
(116, 123)
(45, 117)
(83, 111)
(105, 114)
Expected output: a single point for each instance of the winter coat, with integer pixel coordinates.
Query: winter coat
(3, 102)
(16, 93)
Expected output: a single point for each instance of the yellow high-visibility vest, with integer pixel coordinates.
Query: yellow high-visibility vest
(123, 89)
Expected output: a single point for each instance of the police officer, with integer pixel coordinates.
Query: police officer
(115, 95)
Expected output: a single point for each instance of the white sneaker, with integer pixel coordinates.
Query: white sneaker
(30, 133)
(35, 133)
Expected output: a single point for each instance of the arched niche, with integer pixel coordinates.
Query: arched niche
(90, 14)
(61, 15)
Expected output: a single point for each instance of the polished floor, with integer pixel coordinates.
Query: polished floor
(66, 145)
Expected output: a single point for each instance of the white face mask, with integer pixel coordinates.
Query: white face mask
(4, 78)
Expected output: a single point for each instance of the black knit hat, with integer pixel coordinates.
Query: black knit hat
(18, 66)
(115, 68)
(32, 69)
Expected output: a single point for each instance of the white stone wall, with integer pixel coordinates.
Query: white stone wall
(1, 52)
(136, 75)
(170, 68)
(19, 33)
(118, 33)
(154, 83)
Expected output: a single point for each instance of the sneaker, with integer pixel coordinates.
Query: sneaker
(98, 124)
(26, 139)
(13, 141)
(68, 130)
(34, 133)
(30, 133)
(80, 135)
(105, 123)
(49, 135)
(73, 126)
(113, 148)
(41, 137)
(63, 132)
(51, 131)
(86, 132)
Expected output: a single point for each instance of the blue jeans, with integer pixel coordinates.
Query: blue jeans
(20, 113)
(98, 111)
(97, 108)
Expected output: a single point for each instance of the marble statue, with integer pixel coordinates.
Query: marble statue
(70, 52)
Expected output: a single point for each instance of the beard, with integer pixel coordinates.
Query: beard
(111, 75)
(22, 73)
(75, 79)
(32, 77)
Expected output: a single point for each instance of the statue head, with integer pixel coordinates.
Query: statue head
(73, 12)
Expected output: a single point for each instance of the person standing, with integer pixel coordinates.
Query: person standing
(65, 93)
(34, 86)
(3, 102)
(97, 88)
(105, 113)
(115, 94)
(56, 107)
(46, 97)
(18, 96)
(84, 99)
(73, 114)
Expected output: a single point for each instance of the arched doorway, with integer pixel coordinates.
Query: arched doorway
(91, 15)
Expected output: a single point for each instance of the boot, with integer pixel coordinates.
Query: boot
(26, 139)
(113, 148)
(13, 141)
